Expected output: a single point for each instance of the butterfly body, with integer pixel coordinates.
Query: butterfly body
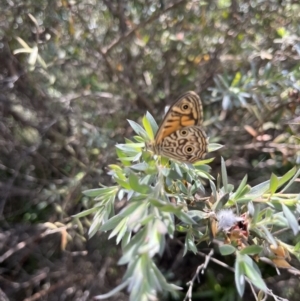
(180, 136)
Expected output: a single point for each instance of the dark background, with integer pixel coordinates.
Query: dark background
(73, 72)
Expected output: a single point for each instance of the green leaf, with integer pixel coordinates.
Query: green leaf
(273, 184)
(162, 280)
(122, 157)
(269, 236)
(189, 244)
(221, 202)
(147, 219)
(251, 209)
(287, 176)
(291, 181)
(213, 189)
(226, 249)
(130, 208)
(251, 250)
(138, 129)
(235, 82)
(126, 160)
(148, 127)
(224, 175)
(202, 163)
(97, 221)
(238, 192)
(121, 234)
(243, 194)
(297, 247)
(165, 171)
(197, 213)
(158, 202)
(121, 225)
(293, 223)
(184, 217)
(152, 278)
(126, 239)
(122, 183)
(136, 186)
(130, 250)
(137, 216)
(182, 187)
(130, 149)
(140, 166)
(111, 223)
(214, 146)
(170, 208)
(101, 191)
(85, 212)
(178, 170)
(239, 276)
(147, 180)
(259, 189)
(254, 276)
(115, 167)
(152, 122)
(140, 140)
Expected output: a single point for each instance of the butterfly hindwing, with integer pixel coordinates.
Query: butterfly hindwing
(188, 144)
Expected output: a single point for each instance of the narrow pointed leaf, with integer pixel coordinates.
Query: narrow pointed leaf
(274, 182)
(148, 127)
(224, 175)
(152, 122)
(239, 277)
(293, 223)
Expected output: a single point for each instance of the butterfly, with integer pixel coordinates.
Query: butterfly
(180, 135)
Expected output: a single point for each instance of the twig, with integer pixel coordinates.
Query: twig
(155, 16)
(116, 73)
(32, 281)
(191, 283)
(47, 291)
(254, 292)
(269, 292)
(201, 267)
(21, 245)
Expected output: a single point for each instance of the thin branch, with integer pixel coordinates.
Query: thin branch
(39, 295)
(254, 292)
(155, 16)
(21, 245)
(116, 73)
(201, 267)
(188, 295)
(220, 263)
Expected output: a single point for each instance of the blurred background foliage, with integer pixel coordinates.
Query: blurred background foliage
(72, 72)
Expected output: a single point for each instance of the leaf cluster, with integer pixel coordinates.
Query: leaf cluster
(162, 199)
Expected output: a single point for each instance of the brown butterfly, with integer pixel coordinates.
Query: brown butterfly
(180, 135)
